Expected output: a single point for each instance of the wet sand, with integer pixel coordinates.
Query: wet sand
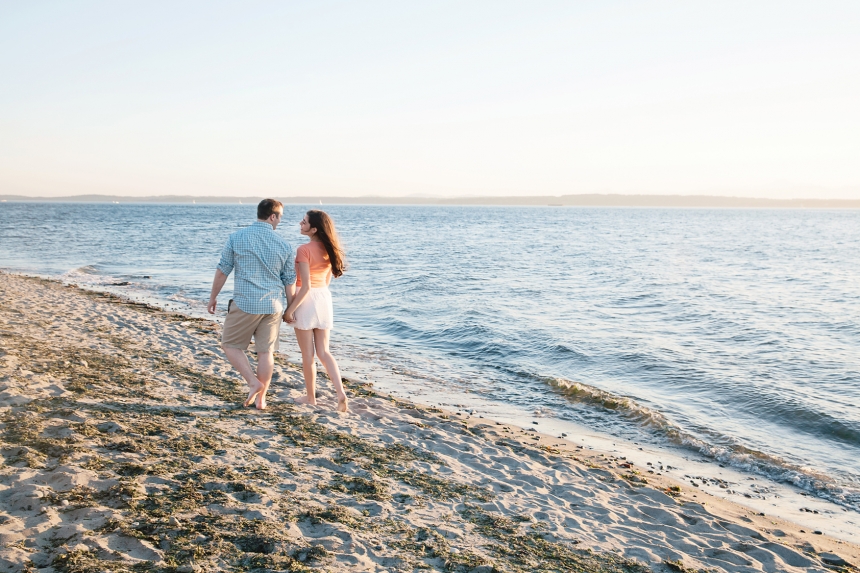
(125, 446)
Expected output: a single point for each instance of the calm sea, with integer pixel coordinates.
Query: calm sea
(732, 332)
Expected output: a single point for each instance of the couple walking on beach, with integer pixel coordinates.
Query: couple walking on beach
(271, 286)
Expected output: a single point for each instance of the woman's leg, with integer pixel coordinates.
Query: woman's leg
(321, 343)
(305, 339)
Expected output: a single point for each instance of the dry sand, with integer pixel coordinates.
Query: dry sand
(125, 447)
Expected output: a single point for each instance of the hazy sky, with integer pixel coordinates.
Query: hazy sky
(430, 97)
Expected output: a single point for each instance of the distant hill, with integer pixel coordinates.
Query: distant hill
(591, 200)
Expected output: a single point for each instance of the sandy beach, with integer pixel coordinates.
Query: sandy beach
(125, 447)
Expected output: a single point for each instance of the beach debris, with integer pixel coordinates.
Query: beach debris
(678, 565)
(833, 559)
(84, 364)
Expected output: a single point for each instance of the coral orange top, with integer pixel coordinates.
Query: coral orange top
(316, 257)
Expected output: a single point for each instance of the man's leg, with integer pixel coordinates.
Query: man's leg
(266, 338)
(265, 367)
(239, 361)
(238, 328)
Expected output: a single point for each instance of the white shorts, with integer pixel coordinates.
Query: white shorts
(316, 311)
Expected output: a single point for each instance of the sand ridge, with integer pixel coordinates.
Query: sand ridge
(125, 446)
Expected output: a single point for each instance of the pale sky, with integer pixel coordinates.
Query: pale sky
(430, 97)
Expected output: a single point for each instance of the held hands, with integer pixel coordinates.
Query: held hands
(289, 317)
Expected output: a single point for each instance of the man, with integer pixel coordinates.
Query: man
(264, 286)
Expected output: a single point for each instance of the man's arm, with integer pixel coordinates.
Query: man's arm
(224, 268)
(288, 277)
(291, 292)
(217, 285)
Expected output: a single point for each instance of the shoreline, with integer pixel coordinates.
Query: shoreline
(391, 475)
(689, 465)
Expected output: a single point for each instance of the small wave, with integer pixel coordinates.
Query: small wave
(90, 275)
(94, 276)
(185, 298)
(736, 455)
(84, 270)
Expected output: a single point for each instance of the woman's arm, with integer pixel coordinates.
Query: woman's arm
(305, 274)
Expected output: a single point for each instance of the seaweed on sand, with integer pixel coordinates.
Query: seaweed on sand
(383, 461)
(333, 514)
(530, 550)
(222, 541)
(27, 430)
(358, 486)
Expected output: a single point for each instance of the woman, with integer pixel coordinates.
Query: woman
(310, 312)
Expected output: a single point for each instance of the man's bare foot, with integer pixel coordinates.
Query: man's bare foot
(253, 390)
(343, 404)
(305, 400)
(260, 403)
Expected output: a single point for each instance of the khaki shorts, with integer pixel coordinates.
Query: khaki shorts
(239, 326)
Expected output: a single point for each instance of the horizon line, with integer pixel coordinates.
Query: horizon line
(584, 199)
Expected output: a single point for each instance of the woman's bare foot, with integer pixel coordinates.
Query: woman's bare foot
(305, 400)
(343, 404)
(253, 390)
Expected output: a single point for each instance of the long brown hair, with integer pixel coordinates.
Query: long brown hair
(326, 233)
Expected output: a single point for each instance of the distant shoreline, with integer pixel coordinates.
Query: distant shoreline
(585, 200)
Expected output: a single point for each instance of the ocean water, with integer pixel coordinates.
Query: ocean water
(732, 333)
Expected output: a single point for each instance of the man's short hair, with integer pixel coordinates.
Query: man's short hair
(267, 207)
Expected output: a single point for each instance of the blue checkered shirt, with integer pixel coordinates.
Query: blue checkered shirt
(265, 265)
